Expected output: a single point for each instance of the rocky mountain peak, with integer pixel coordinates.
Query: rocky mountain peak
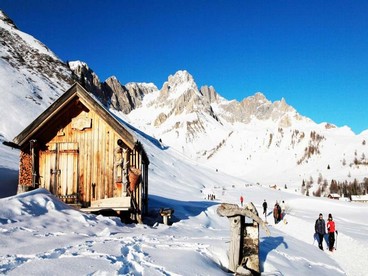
(282, 106)
(257, 99)
(116, 95)
(199, 123)
(181, 76)
(87, 78)
(210, 94)
(114, 83)
(179, 83)
(141, 89)
(79, 68)
(7, 20)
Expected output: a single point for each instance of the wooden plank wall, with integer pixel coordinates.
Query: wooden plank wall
(95, 158)
(95, 141)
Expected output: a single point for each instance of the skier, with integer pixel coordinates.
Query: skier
(331, 232)
(320, 229)
(264, 207)
(241, 200)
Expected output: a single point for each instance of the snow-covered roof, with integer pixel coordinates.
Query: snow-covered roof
(359, 198)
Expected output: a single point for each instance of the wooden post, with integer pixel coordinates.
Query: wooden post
(235, 242)
(244, 244)
(251, 244)
(166, 214)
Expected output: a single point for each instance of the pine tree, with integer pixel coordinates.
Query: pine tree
(333, 186)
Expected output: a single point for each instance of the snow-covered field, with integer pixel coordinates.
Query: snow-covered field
(41, 236)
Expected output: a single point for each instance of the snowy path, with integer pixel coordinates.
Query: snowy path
(39, 235)
(348, 249)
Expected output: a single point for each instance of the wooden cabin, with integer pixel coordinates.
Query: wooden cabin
(334, 196)
(85, 156)
(359, 198)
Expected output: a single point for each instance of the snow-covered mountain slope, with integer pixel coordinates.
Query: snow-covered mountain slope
(31, 78)
(269, 143)
(256, 139)
(52, 236)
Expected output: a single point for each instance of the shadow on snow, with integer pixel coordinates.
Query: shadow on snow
(8, 182)
(182, 209)
(267, 244)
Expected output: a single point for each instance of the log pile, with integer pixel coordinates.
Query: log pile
(25, 169)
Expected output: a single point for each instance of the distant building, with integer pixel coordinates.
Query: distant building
(334, 196)
(359, 198)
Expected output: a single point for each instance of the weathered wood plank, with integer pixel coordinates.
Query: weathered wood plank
(244, 243)
(76, 118)
(229, 210)
(118, 202)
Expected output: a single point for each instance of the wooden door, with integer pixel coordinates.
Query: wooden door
(60, 171)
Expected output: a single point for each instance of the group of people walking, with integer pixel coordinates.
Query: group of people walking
(211, 197)
(320, 229)
(278, 210)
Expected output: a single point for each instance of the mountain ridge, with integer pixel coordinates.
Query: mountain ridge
(198, 122)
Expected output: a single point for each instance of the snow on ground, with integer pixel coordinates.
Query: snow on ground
(39, 235)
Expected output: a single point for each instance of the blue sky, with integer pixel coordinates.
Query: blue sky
(312, 53)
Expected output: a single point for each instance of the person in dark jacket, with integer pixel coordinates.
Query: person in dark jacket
(276, 212)
(264, 207)
(331, 232)
(320, 229)
(279, 212)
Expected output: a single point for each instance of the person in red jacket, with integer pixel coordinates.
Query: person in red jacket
(331, 232)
